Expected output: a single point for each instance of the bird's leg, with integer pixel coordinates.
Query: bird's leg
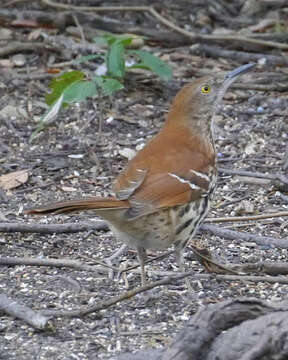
(179, 251)
(205, 258)
(118, 252)
(142, 256)
(115, 255)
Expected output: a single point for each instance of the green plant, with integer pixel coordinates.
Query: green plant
(76, 86)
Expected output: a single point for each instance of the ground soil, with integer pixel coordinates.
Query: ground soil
(71, 158)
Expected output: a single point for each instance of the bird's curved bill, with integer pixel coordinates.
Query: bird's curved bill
(239, 71)
(229, 78)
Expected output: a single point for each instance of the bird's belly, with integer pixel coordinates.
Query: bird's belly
(153, 231)
(190, 217)
(164, 228)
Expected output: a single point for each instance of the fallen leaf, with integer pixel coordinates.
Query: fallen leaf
(6, 63)
(244, 207)
(13, 179)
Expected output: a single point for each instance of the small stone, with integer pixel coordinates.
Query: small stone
(127, 153)
(9, 111)
(5, 34)
(18, 60)
(249, 244)
(262, 61)
(76, 156)
(68, 188)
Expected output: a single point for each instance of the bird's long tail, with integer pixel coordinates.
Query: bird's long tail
(84, 204)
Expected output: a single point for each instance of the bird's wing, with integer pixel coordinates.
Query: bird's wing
(163, 185)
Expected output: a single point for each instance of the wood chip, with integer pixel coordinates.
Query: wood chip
(13, 179)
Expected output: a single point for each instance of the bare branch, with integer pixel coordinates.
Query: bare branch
(278, 177)
(59, 263)
(247, 218)
(166, 281)
(18, 47)
(53, 228)
(193, 36)
(23, 312)
(236, 235)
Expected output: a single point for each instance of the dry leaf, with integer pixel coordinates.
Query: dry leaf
(244, 207)
(6, 63)
(13, 179)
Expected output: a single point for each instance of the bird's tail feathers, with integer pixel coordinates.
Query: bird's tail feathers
(93, 203)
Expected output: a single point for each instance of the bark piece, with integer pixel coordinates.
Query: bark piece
(242, 329)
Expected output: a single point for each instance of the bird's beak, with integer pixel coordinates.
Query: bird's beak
(229, 78)
(239, 71)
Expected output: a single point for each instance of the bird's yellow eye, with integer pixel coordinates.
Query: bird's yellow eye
(205, 89)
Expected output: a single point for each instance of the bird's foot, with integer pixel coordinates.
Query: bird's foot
(211, 265)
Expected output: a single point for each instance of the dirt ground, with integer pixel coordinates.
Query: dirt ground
(71, 158)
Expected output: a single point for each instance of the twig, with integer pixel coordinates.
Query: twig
(23, 312)
(160, 257)
(213, 265)
(262, 267)
(283, 86)
(17, 47)
(230, 38)
(246, 218)
(14, 2)
(230, 277)
(59, 263)
(236, 235)
(39, 186)
(80, 28)
(270, 279)
(216, 52)
(236, 39)
(166, 281)
(101, 263)
(279, 177)
(102, 225)
(53, 228)
(94, 8)
(259, 267)
(114, 300)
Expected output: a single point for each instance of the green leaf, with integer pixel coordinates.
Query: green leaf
(125, 40)
(79, 91)
(107, 85)
(59, 84)
(110, 39)
(153, 63)
(116, 61)
(49, 117)
(139, 66)
(100, 40)
(111, 85)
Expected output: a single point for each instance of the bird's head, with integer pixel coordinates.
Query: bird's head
(200, 99)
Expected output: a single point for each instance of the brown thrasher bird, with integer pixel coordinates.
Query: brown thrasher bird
(164, 192)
